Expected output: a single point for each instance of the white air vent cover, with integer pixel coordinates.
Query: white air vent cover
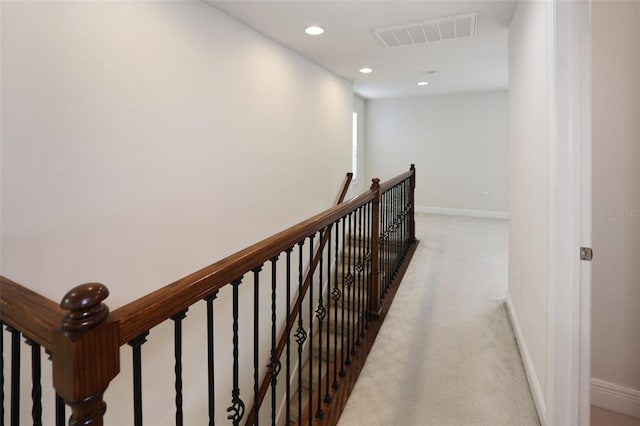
(438, 29)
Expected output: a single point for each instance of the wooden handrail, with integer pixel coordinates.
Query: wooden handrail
(160, 305)
(282, 342)
(33, 314)
(386, 185)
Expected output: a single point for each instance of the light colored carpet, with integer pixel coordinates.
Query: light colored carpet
(446, 353)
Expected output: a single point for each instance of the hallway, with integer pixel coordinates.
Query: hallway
(446, 353)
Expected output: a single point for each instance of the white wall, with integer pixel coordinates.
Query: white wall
(616, 202)
(528, 189)
(144, 140)
(458, 143)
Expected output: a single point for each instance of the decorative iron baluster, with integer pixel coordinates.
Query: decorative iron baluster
(349, 281)
(343, 294)
(389, 203)
(367, 258)
(15, 376)
(392, 236)
(405, 228)
(327, 396)
(383, 247)
(236, 409)
(389, 217)
(211, 389)
(301, 335)
(177, 343)
(1, 373)
(136, 345)
(360, 268)
(335, 295)
(274, 364)
(60, 411)
(321, 312)
(256, 340)
(36, 387)
(311, 313)
(288, 334)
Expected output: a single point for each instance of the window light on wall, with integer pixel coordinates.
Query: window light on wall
(354, 147)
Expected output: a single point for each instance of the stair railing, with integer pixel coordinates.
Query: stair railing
(370, 240)
(282, 341)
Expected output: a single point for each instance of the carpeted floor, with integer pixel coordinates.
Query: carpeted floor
(446, 353)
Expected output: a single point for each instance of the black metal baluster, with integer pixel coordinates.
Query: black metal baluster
(288, 333)
(403, 189)
(211, 389)
(389, 237)
(60, 411)
(383, 227)
(361, 277)
(388, 241)
(15, 376)
(256, 340)
(335, 295)
(368, 259)
(274, 365)
(327, 396)
(136, 345)
(353, 300)
(36, 386)
(402, 215)
(343, 301)
(320, 314)
(236, 409)
(408, 212)
(311, 313)
(349, 282)
(396, 224)
(392, 236)
(177, 346)
(1, 373)
(301, 334)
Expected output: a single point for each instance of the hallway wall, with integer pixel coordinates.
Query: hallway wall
(458, 143)
(144, 140)
(529, 189)
(616, 205)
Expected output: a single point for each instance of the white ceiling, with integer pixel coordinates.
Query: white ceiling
(463, 65)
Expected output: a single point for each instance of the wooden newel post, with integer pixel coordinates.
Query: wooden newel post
(412, 236)
(375, 305)
(85, 353)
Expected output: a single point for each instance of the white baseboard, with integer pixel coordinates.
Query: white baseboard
(615, 397)
(534, 384)
(463, 212)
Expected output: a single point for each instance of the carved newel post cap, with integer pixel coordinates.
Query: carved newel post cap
(85, 307)
(375, 183)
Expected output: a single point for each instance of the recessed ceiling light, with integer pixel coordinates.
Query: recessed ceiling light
(314, 30)
(423, 83)
(366, 70)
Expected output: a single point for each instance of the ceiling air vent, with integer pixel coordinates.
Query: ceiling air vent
(432, 30)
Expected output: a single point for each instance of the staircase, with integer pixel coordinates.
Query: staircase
(344, 325)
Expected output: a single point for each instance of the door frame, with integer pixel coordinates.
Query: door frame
(569, 285)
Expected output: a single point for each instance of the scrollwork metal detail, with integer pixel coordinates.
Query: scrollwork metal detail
(336, 294)
(300, 335)
(274, 369)
(236, 409)
(321, 312)
(348, 280)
